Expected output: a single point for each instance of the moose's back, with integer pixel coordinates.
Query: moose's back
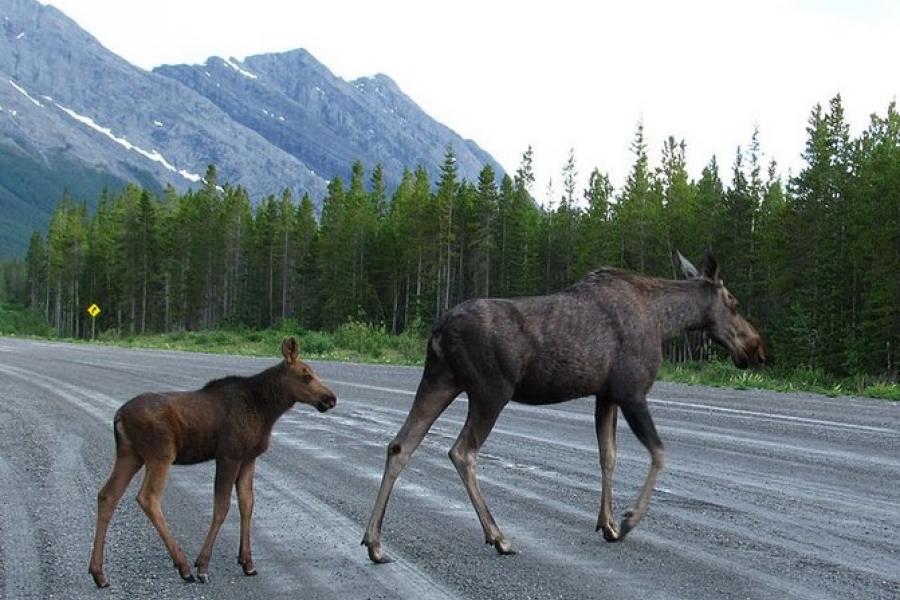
(186, 426)
(550, 348)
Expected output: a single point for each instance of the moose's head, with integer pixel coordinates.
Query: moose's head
(723, 323)
(301, 383)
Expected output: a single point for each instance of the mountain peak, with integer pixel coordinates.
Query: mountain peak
(74, 116)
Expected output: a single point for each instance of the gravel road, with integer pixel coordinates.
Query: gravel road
(764, 495)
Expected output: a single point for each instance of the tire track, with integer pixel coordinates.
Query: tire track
(21, 561)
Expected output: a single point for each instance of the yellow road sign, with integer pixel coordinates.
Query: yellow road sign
(93, 310)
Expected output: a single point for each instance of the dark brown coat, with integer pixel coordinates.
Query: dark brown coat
(602, 336)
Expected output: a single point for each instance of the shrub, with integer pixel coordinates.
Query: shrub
(17, 320)
(316, 342)
(364, 339)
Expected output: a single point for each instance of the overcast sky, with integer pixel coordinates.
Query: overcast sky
(562, 74)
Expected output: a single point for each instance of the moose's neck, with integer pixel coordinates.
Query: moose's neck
(270, 398)
(678, 305)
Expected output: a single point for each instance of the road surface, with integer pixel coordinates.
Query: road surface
(764, 495)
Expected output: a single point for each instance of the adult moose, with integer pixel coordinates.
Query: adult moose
(229, 420)
(602, 336)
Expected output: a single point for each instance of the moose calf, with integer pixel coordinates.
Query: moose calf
(229, 420)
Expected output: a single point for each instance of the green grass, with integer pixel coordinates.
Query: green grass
(360, 342)
(353, 342)
(722, 374)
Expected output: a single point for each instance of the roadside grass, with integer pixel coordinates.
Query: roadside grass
(723, 374)
(352, 342)
(361, 342)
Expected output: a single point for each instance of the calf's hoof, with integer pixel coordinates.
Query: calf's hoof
(203, 577)
(247, 566)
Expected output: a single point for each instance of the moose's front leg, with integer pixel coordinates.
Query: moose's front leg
(226, 474)
(245, 506)
(605, 415)
(637, 413)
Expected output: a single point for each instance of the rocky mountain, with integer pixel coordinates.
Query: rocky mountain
(299, 106)
(75, 117)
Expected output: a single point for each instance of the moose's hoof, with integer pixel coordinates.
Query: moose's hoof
(610, 533)
(184, 571)
(247, 567)
(629, 521)
(376, 554)
(100, 580)
(504, 547)
(203, 577)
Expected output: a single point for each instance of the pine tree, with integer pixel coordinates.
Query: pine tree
(36, 268)
(638, 213)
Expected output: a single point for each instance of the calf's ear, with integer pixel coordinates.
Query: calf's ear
(290, 349)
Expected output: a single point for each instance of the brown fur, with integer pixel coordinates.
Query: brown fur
(229, 420)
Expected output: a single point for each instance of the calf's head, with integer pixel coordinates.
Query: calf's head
(723, 323)
(301, 382)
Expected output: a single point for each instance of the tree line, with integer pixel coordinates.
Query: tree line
(814, 258)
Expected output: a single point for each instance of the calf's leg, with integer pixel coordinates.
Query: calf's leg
(637, 413)
(605, 415)
(226, 474)
(245, 506)
(432, 397)
(124, 469)
(483, 412)
(150, 500)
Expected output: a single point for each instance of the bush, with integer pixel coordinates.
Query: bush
(109, 335)
(17, 320)
(220, 338)
(367, 340)
(316, 342)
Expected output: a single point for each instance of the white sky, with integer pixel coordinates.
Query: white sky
(561, 74)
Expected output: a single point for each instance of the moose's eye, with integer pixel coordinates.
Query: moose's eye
(307, 378)
(731, 302)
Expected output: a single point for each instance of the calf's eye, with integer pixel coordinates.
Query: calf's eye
(307, 378)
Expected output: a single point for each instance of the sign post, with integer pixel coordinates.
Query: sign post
(94, 311)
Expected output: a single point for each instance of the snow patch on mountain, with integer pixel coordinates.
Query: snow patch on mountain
(24, 93)
(153, 155)
(232, 62)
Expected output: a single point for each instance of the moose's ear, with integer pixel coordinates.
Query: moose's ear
(709, 267)
(290, 349)
(687, 267)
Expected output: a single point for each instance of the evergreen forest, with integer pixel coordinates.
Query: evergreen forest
(814, 257)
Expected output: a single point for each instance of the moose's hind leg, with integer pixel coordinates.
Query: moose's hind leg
(123, 471)
(484, 408)
(432, 397)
